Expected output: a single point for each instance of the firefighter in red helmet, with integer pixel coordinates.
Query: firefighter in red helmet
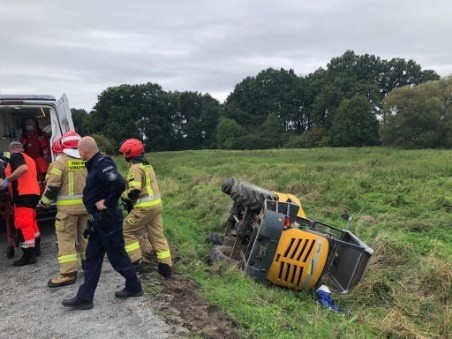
(65, 184)
(143, 195)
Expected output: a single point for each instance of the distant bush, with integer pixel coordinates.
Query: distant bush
(104, 144)
(315, 137)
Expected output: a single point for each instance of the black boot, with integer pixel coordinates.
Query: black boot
(78, 303)
(28, 257)
(124, 293)
(38, 246)
(164, 270)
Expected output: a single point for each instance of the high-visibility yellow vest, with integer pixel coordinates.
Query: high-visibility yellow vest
(142, 177)
(69, 174)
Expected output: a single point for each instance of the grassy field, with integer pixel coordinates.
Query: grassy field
(401, 203)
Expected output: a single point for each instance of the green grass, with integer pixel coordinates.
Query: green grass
(401, 203)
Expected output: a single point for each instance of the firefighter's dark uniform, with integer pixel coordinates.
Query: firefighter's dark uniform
(104, 182)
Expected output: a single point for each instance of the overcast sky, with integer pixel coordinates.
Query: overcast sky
(83, 47)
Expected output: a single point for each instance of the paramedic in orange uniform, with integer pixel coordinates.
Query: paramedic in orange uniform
(21, 176)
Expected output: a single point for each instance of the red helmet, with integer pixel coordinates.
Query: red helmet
(56, 146)
(132, 148)
(70, 140)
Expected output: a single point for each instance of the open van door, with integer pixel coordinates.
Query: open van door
(64, 115)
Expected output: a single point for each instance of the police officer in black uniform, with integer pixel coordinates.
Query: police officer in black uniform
(104, 186)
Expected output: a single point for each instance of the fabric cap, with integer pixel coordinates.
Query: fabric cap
(15, 145)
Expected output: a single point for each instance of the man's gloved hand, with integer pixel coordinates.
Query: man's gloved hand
(89, 230)
(42, 205)
(126, 204)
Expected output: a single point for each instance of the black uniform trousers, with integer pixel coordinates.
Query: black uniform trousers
(107, 239)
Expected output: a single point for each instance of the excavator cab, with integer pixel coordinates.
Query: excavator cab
(274, 242)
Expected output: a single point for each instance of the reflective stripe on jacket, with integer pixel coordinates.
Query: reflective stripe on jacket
(142, 177)
(69, 175)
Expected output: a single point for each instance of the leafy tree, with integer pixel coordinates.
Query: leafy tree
(365, 75)
(269, 135)
(140, 111)
(325, 105)
(354, 123)
(418, 116)
(445, 88)
(227, 133)
(81, 120)
(317, 136)
(263, 111)
(104, 144)
(271, 91)
(195, 119)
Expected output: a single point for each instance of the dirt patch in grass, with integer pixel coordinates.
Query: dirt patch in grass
(178, 300)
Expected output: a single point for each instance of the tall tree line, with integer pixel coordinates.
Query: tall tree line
(350, 102)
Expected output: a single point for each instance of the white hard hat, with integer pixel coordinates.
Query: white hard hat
(324, 288)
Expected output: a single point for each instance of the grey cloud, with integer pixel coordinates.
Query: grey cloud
(83, 47)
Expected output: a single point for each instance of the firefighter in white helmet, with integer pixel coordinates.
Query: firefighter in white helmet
(65, 184)
(142, 193)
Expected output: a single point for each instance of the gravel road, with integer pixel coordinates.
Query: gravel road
(29, 309)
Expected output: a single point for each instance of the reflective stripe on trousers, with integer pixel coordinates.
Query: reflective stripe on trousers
(163, 255)
(64, 259)
(132, 247)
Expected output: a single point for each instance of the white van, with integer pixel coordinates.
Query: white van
(53, 116)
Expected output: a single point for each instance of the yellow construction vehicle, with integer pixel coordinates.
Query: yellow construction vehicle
(269, 236)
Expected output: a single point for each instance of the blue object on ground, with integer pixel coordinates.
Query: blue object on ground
(324, 298)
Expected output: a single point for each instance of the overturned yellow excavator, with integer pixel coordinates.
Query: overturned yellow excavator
(268, 235)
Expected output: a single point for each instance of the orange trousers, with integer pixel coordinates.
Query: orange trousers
(25, 220)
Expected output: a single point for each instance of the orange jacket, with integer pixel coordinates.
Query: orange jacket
(27, 183)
